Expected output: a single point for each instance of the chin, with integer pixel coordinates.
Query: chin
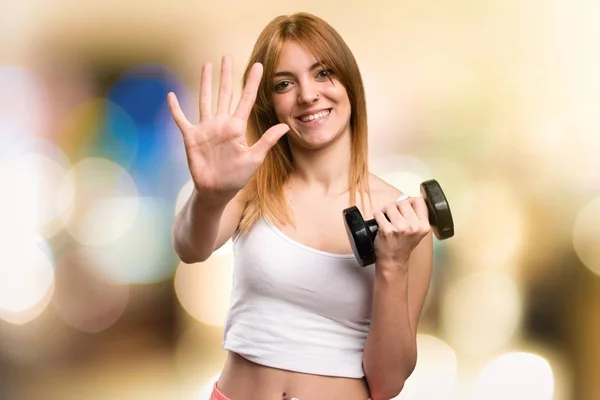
(316, 140)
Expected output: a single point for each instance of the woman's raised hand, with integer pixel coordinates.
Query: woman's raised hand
(220, 161)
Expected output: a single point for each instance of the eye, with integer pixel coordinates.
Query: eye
(282, 86)
(324, 74)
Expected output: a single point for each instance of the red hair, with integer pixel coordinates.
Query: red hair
(265, 188)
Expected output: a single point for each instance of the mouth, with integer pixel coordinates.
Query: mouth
(314, 118)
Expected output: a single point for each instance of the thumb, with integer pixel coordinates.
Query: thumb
(260, 149)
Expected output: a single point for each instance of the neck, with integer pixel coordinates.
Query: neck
(326, 170)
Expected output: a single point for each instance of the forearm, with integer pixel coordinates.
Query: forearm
(390, 349)
(196, 227)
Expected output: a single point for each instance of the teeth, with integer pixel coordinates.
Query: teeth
(318, 115)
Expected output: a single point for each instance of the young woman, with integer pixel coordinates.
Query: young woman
(306, 321)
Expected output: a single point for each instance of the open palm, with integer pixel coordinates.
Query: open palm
(219, 158)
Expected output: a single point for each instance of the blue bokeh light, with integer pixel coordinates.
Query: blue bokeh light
(160, 166)
(118, 136)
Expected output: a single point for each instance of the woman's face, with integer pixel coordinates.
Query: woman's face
(309, 99)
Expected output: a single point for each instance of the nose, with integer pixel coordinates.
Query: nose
(308, 94)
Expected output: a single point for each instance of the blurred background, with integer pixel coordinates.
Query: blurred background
(497, 100)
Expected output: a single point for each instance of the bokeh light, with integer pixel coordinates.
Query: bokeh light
(203, 289)
(117, 138)
(141, 93)
(453, 175)
(586, 235)
(404, 172)
(518, 376)
(79, 131)
(100, 128)
(26, 278)
(436, 371)
(31, 172)
(143, 252)
(105, 201)
(481, 312)
(22, 106)
(492, 227)
(82, 298)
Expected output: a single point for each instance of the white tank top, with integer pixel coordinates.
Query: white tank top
(297, 308)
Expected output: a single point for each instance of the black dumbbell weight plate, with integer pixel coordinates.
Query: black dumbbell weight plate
(440, 217)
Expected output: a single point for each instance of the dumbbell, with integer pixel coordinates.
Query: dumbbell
(361, 233)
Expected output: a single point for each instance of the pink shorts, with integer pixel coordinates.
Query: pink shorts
(217, 395)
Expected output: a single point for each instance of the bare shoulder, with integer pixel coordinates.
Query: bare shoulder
(382, 191)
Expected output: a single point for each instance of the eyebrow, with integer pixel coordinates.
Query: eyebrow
(287, 73)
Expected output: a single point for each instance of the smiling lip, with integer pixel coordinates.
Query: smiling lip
(312, 112)
(314, 122)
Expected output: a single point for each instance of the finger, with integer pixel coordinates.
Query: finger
(260, 149)
(225, 85)
(206, 92)
(420, 208)
(249, 93)
(393, 215)
(406, 209)
(383, 224)
(178, 115)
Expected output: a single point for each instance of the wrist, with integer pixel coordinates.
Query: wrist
(391, 269)
(212, 201)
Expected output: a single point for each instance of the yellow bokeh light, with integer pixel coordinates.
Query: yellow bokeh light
(80, 127)
(491, 222)
(586, 235)
(203, 289)
(481, 312)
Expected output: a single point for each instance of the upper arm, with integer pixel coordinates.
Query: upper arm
(230, 219)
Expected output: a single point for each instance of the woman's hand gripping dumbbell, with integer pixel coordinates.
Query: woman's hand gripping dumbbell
(362, 233)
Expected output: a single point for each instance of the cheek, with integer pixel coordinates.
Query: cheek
(283, 106)
(339, 94)
(344, 104)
